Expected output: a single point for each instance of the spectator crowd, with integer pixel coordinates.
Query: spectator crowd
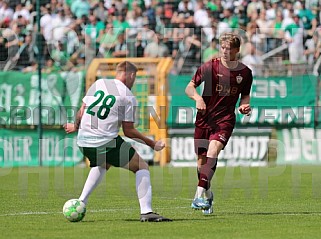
(73, 32)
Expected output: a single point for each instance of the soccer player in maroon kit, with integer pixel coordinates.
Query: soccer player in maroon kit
(225, 79)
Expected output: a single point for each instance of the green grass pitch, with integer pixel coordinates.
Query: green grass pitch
(266, 202)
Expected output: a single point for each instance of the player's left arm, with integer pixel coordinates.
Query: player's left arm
(73, 127)
(244, 107)
(131, 132)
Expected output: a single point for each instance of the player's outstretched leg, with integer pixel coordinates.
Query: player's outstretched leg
(144, 190)
(94, 177)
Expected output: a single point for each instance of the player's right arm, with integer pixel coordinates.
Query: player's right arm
(73, 127)
(191, 92)
(131, 132)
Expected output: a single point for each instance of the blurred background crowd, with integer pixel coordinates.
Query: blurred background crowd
(75, 32)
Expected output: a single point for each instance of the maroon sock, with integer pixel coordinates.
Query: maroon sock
(207, 172)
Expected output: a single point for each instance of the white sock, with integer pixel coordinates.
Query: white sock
(94, 178)
(208, 193)
(199, 192)
(144, 190)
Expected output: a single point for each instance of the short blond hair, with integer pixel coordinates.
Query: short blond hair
(233, 39)
(126, 66)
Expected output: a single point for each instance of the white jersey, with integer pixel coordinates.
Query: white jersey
(108, 104)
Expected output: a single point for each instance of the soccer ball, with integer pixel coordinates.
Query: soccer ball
(74, 210)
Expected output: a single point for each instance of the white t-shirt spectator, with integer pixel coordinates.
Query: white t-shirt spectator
(46, 25)
(23, 12)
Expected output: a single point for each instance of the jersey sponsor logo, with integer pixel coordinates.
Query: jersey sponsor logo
(239, 79)
(226, 89)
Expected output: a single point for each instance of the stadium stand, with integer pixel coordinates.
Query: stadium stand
(184, 29)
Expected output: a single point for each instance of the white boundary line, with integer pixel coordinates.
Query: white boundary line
(90, 211)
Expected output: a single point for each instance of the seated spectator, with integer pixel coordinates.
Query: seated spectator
(26, 53)
(254, 6)
(108, 41)
(184, 14)
(156, 48)
(201, 18)
(49, 67)
(120, 24)
(100, 11)
(59, 55)
(80, 8)
(121, 49)
(211, 52)
(93, 30)
(80, 64)
(12, 45)
(59, 23)
(135, 22)
(6, 13)
(33, 67)
(189, 50)
(139, 49)
(22, 12)
(230, 18)
(145, 34)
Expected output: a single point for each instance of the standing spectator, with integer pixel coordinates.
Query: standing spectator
(265, 32)
(294, 36)
(253, 60)
(46, 23)
(59, 24)
(160, 20)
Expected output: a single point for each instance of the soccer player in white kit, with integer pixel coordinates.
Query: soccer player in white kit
(107, 106)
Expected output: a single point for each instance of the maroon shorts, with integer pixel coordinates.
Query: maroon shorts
(202, 137)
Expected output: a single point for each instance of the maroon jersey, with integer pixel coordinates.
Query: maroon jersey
(222, 88)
